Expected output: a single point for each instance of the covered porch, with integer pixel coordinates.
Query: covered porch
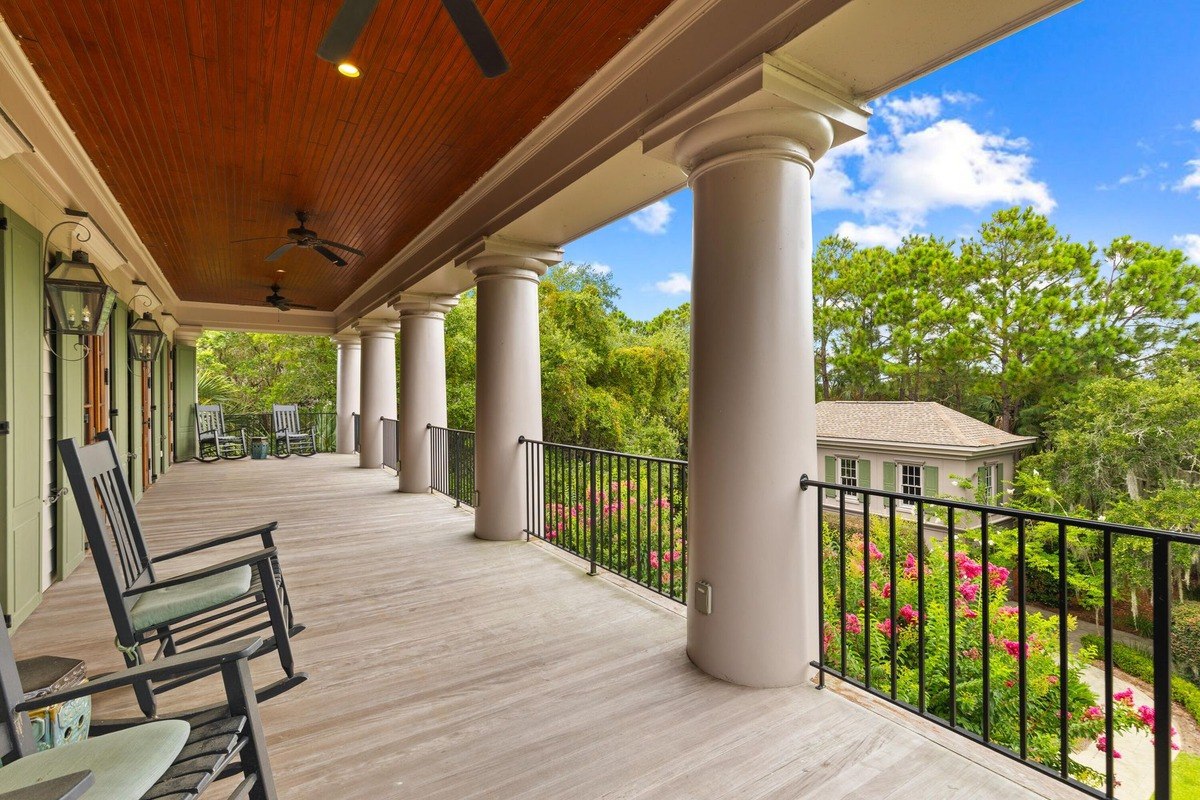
(446, 666)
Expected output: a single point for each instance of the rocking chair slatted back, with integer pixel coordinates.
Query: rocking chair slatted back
(16, 732)
(210, 422)
(109, 520)
(287, 418)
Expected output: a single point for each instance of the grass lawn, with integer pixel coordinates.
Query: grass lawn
(1185, 776)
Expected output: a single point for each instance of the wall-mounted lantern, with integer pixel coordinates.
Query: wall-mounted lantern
(80, 300)
(145, 338)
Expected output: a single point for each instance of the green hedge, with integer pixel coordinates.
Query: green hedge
(1185, 637)
(1140, 665)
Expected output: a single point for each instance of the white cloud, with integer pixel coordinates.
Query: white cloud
(1189, 243)
(676, 283)
(1142, 173)
(1192, 179)
(922, 162)
(1196, 125)
(880, 235)
(601, 269)
(653, 218)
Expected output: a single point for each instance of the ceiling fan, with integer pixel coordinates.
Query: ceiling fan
(353, 16)
(303, 237)
(282, 303)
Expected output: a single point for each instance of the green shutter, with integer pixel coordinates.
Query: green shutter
(889, 476)
(185, 399)
(23, 450)
(981, 484)
(999, 500)
(118, 382)
(930, 479)
(830, 474)
(864, 473)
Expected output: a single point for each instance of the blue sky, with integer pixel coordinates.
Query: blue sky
(1092, 116)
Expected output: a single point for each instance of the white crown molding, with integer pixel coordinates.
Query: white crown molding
(12, 141)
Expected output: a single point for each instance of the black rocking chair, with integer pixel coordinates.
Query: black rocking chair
(169, 758)
(203, 607)
(212, 438)
(290, 437)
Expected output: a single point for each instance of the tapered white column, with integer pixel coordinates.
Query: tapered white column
(349, 387)
(752, 531)
(422, 383)
(508, 379)
(378, 393)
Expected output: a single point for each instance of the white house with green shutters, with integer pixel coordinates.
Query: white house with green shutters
(914, 448)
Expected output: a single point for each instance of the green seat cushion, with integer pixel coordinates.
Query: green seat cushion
(159, 605)
(125, 764)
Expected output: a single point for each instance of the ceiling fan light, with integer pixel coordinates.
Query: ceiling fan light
(349, 70)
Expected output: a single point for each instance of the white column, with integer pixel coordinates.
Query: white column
(349, 386)
(752, 531)
(422, 382)
(378, 393)
(508, 379)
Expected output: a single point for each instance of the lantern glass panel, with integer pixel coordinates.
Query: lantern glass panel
(80, 301)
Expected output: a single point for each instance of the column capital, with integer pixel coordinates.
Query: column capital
(424, 305)
(791, 134)
(377, 328)
(188, 334)
(349, 339)
(498, 256)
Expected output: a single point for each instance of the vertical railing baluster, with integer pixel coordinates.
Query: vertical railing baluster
(1162, 667)
(986, 641)
(658, 491)
(921, 700)
(822, 656)
(952, 656)
(842, 574)
(1064, 744)
(1023, 636)
(593, 500)
(1109, 767)
(866, 622)
(893, 586)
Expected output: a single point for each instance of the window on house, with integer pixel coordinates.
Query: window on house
(910, 481)
(848, 475)
(991, 484)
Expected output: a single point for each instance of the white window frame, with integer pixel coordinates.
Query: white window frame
(903, 485)
(842, 462)
(991, 483)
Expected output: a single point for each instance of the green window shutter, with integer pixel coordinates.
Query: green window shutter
(999, 500)
(864, 473)
(830, 474)
(889, 476)
(930, 480)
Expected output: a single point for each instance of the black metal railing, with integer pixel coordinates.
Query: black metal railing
(391, 443)
(357, 419)
(452, 464)
(624, 513)
(262, 424)
(948, 632)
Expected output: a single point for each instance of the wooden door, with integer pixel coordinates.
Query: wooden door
(96, 388)
(22, 445)
(147, 424)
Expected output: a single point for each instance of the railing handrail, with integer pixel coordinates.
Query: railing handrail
(431, 426)
(1009, 511)
(582, 449)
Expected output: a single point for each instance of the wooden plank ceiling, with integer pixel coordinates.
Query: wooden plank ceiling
(214, 121)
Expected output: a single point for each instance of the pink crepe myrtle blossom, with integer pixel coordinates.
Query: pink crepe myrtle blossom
(1093, 712)
(654, 560)
(852, 624)
(1125, 697)
(967, 568)
(875, 552)
(885, 627)
(908, 614)
(1014, 648)
(910, 566)
(886, 592)
(972, 653)
(997, 576)
(1146, 714)
(969, 591)
(1102, 746)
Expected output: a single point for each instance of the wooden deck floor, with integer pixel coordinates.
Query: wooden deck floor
(446, 667)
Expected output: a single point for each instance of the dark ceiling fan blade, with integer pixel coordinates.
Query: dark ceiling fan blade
(301, 305)
(341, 246)
(279, 251)
(478, 36)
(345, 29)
(256, 239)
(337, 260)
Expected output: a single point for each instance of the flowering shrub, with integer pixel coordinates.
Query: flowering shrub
(954, 603)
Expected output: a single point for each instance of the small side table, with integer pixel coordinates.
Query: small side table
(258, 448)
(64, 722)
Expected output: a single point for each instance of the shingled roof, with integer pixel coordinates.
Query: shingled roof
(908, 422)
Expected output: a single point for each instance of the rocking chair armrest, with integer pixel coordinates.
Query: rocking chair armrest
(178, 580)
(159, 670)
(263, 530)
(68, 787)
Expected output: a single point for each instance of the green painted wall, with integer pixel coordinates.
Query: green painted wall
(185, 398)
(22, 450)
(69, 419)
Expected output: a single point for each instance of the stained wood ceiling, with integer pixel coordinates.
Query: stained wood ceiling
(214, 121)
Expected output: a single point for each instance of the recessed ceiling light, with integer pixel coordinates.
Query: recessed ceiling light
(349, 70)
